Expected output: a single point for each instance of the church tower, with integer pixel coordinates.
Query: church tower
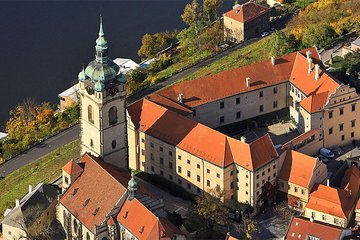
(102, 104)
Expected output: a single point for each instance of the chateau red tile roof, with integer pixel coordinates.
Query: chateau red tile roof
(330, 200)
(72, 168)
(351, 180)
(246, 12)
(302, 137)
(231, 82)
(95, 192)
(150, 227)
(315, 103)
(169, 104)
(298, 168)
(199, 139)
(301, 228)
(306, 82)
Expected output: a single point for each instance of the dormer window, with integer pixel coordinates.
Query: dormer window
(141, 229)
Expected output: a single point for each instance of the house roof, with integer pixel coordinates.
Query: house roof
(301, 228)
(315, 103)
(150, 226)
(231, 82)
(199, 139)
(31, 206)
(246, 12)
(351, 180)
(298, 168)
(169, 104)
(72, 168)
(330, 200)
(89, 198)
(71, 92)
(307, 82)
(302, 137)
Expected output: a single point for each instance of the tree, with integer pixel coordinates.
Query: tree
(192, 14)
(318, 35)
(153, 44)
(211, 208)
(351, 64)
(135, 78)
(211, 9)
(211, 37)
(281, 44)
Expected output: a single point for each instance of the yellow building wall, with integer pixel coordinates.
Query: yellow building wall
(233, 30)
(326, 218)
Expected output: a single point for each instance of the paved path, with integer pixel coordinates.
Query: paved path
(40, 150)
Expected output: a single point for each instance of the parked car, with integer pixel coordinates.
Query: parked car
(337, 151)
(323, 159)
(327, 153)
(264, 34)
(272, 30)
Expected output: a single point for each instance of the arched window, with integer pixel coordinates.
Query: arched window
(113, 144)
(90, 114)
(112, 115)
(87, 236)
(91, 143)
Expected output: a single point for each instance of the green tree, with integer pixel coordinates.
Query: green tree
(192, 14)
(211, 208)
(151, 44)
(281, 44)
(134, 80)
(319, 35)
(211, 37)
(351, 64)
(211, 9)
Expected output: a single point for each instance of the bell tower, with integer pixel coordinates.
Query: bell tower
(102, 104)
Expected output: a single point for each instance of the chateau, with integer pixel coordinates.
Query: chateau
(173, 133)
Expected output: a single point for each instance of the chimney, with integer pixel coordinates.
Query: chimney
(311, 219)
(17, 202)
(308, 55)
(328, 182)
(273, 60)
(243, 139)
(317, 73)
(30, 188)
(310, 61)
(247, 82)
(181, 98)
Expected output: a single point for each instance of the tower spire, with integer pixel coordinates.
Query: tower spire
(101, 30)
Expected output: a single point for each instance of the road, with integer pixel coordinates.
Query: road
(40, 150)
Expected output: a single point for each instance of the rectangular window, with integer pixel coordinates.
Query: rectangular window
(295, 189)
(261, 94)
(352, 123)
(330, 131)
(238, 114)
(170, 165)
(161, 161)
(151, 145)
(151, 156)
(152, 168)
(218, 175)
(161, 149)
(330, 114)
(341, 127)
(208, 170)
(275, 105)
(231, 173)
(198, 166)
(179, 157)
(302, 191)
(232, 185)
(198, 178)
(341, 111)
(188, 161)
(353, 107)
(352, 134)
(275, 90)
(323, 217)
(342, 137)
(208, 183)
(188, 173)
(222, 104)
(142, 152)
(142, 140)
(222, 119)
(261, 108)
(336, 221)
(179, 169)
(237, 100)
(170, 153)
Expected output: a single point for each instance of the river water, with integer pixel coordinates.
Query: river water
(44, 44)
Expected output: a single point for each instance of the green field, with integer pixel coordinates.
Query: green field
(46, 170)
(252, 53)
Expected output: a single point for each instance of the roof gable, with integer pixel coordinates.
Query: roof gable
(315, 103)
(72, 168)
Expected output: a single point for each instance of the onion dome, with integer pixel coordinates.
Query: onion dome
(102, 72)
(82, 75)
(99, 86)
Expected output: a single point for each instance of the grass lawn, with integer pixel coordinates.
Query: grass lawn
(337, 62)
(46, 169)
(252, 53)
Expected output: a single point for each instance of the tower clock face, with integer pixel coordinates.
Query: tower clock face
(112, 91)
(90, 90)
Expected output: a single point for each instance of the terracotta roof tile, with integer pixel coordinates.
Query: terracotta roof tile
(298, 168)
(72, 168)
(89, 198)
(246, 12)
(315, 103)
(302, 137)
(330, 200)
(150, 226)
(231, 82)
(199, 139)
(351, 180)
(169, 104)
(301, 228)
